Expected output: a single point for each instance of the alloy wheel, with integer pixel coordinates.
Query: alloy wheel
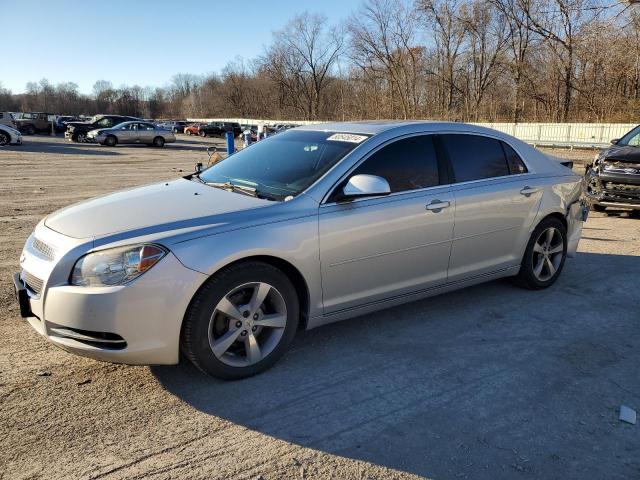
(4, 140)
(548, 251)
(247, 324)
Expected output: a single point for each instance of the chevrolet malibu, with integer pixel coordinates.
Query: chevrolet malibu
(314, 225)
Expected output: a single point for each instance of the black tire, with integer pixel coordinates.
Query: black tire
(30, 130)
(188, 132)
(80, 137)
(202, 134)
(526, 278)
(111, 141)
(634, 214)
(4, 139)
(194, 340)
(158, 142)
(598, 208)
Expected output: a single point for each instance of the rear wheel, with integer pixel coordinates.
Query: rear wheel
(241, 321)
(4, 139)
(80, 138)
(545, 255)
(158, 142)
(188, 132)
(202, 134)
(110, 141)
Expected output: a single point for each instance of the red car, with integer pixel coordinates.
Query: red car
(192, 129)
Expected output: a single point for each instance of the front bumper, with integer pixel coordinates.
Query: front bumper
(137, 323)
(614, 190)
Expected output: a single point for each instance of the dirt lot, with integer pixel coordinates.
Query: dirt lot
(489, 382)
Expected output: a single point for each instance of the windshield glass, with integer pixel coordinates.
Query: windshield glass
(285, 164)
(631, 139)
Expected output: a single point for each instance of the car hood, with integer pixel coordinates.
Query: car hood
(622, 154)
(159, 207)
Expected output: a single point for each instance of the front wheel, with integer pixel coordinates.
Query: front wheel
(188, 132)
(241, 321)
(4, 139)
(30, 130)
(545, 255)
(203, 134)
(110, 141)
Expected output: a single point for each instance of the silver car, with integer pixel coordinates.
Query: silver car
(317, 224)
(132, 132)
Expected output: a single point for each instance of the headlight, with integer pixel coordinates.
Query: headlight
(115, 266)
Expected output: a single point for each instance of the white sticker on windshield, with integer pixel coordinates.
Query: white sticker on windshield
(347, 137)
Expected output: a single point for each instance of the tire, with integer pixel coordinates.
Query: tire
(111, 141)
(4, 139)
(80, 138)
(158, 142)
(30, 130)
(205, 327)
(536, 272)
(202, 134)
(188, 132)
(598, 208)
(634, 214)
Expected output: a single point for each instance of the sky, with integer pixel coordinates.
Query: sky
(139, 42)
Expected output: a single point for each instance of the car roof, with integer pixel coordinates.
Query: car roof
(374, 127)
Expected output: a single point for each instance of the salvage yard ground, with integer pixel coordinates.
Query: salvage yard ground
(489, 382)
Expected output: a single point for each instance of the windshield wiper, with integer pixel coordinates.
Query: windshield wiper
(234, 187)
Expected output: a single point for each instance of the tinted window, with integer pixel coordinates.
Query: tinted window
(474, 157)
(406, 164)
(515, 163)
(146, 126)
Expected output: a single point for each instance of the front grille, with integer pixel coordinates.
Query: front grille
(624, 167)
(32, 282)
(622, 192)
(46, 250)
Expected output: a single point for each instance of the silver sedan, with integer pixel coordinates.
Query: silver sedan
(316, 224)
(132, 132)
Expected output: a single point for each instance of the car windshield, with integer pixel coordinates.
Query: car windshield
(283, 165)
(631, 139)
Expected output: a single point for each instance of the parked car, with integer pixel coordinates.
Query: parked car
(613, 178)
(192, 128)
(31, 123)
(61, 122)
(132, 132)
(9, 135)
(227, 264)
(219, 129)
(77, 131)
(176, 126)
(6, 118)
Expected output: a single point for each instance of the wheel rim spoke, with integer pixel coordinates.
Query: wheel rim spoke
(551, 267)
(276, 320)
(549, 238)
(260, 293)
(537, 270)
(254, 354)
(537, 248)
(225, 306)
(222, 344)
(557, 249)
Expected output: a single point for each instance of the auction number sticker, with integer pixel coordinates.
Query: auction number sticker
(347, 137)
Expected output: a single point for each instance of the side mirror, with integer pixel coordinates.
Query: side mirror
(615, 141)
(364, 186)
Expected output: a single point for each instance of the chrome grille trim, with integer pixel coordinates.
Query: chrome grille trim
(46, 250)
(32, 282)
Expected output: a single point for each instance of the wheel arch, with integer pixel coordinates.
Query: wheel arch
(295, 276)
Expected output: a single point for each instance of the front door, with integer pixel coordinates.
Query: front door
(376, 248)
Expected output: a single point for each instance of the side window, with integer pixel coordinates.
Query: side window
(406, 164)
(515, 163)
(146, 126)
(474, 157)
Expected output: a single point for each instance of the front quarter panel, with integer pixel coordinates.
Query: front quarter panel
(294, 240)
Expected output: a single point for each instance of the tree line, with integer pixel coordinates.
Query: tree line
(465, 60)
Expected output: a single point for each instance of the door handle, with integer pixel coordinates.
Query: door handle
(437, 205)
(526, 191)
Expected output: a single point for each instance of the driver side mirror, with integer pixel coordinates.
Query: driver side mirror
(364, 186)
(615, 141)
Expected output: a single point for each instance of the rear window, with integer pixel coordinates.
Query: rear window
(515, 163)
(474, 157)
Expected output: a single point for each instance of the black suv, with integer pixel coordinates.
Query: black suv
(77, 131)
(613, 178)
(219, 129)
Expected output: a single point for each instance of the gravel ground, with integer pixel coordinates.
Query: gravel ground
(489, 382)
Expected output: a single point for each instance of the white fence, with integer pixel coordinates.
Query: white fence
(580, 135)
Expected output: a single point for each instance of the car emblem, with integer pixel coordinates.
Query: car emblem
(631, 170)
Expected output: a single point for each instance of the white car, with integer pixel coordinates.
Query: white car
(313, 225)
(9, 135)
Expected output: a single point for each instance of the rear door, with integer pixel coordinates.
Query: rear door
(146, 132)
(497, 199)
(372, 249)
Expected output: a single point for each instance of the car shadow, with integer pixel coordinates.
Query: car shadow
(491, 380)
(60, 148)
